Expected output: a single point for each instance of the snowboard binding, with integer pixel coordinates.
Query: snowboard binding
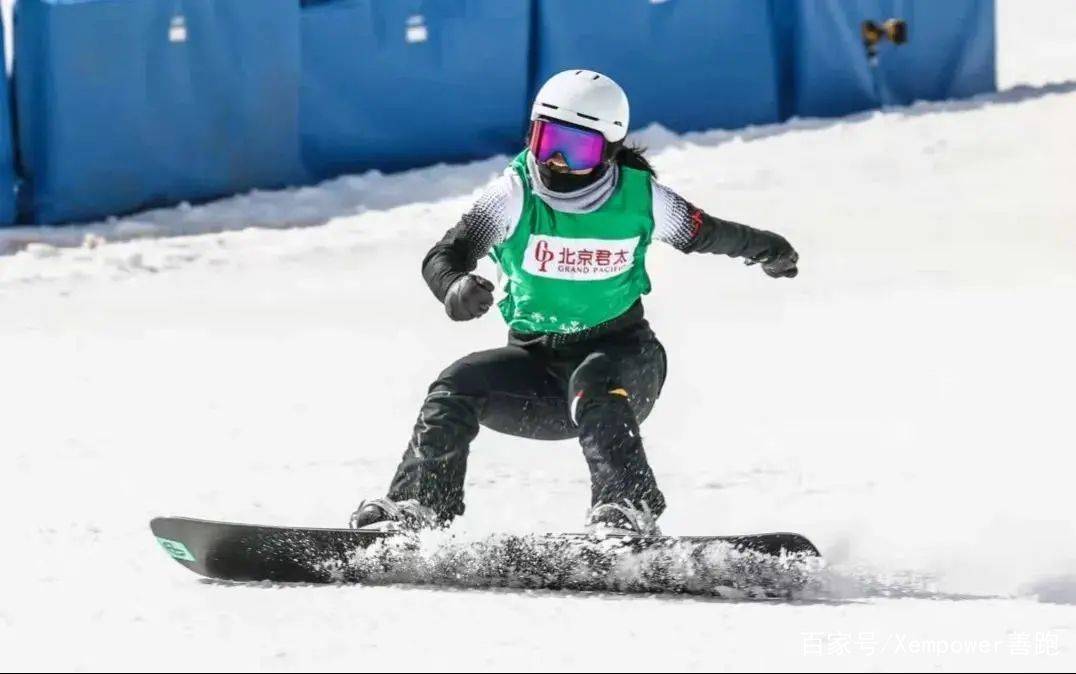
(384, 514)
(622, 519)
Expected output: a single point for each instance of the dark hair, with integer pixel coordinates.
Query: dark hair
(632, 156)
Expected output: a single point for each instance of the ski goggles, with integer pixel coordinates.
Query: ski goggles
(580, 148)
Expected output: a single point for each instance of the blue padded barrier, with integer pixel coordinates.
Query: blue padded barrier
(7, 146)
(950, 53)
(686, 64)
(392, 84)
(128, 104)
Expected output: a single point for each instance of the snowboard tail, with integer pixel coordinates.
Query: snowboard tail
(250, 553)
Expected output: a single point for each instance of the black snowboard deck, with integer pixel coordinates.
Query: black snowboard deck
(253, 553)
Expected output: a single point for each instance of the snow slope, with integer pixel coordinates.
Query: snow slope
(906, 402)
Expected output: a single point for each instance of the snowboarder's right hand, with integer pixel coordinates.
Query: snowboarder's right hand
(469, 297)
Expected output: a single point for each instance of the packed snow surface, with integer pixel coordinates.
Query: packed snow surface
(906, 402)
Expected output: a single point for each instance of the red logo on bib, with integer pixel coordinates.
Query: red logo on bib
(543, 255)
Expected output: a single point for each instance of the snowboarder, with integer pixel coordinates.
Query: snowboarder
(569, 224)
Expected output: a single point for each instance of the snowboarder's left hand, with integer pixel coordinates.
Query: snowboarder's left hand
(783, 265)
(780, 260)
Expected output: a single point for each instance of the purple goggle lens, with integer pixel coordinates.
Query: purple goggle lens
(581, 148)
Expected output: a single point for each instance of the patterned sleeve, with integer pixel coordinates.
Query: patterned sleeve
(494, 215)
(691, 230)
(676, 221)
(490, 221)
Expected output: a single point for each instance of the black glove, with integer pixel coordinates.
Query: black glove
(469, 297)
(779, 260)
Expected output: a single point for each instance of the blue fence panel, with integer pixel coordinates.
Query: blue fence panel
(7, 146)
(392, 84)
(686, 64)
(949, 53)
(128, 104)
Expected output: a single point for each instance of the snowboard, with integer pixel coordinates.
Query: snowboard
(763, 563)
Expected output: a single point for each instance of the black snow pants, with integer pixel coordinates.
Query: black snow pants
(598, 390)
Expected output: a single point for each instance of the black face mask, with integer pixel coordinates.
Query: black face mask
(569, 182)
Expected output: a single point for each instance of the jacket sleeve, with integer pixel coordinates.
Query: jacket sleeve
(691, 230)
(489, 222)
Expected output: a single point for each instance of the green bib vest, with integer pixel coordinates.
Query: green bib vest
(571, 271)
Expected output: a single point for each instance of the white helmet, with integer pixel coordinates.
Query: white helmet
(584, 98)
